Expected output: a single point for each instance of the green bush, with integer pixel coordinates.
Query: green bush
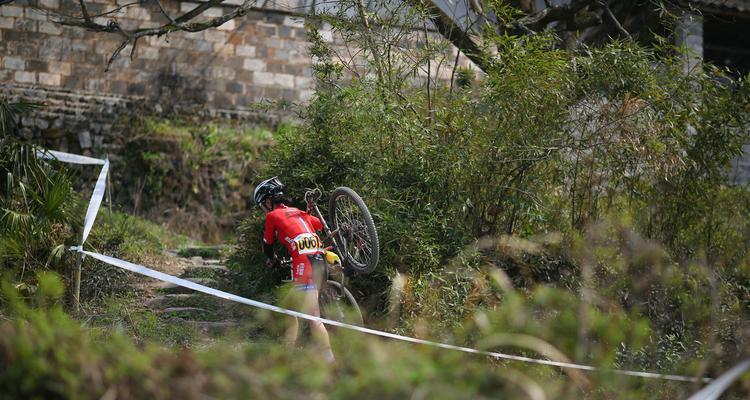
(48, 355)
(547, 141)
(38, 206)
(192, 174)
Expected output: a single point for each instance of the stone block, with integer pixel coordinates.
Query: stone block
(215, 36)
(245, 51)
(37, 15)
(226, 50)
(6, 23)
(42, 123)
(228, 26)
(50, 28)
(58, 67)
(301, 82)
(25, 77)
(285, 31)
(84, 139)
(14, 63)
(306, 95)
(138, 13)
(81, 45)
(36, 66)
(187, 6)
(222, 73)
(213, 12)
(11, 11)
(266, 29)
(204, 46)
(263, 78)
(254, 65)
(52, 48)
(295, 22)
(234, 87)
(275, 66)
(274, 43)
(149, 53)
(25, 25)
(50, 4)
(50, 79)
(299, 33)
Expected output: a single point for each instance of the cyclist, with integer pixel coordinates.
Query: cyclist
(296, 229)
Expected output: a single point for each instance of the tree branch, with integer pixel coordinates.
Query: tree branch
(131, 36)
(614, 20)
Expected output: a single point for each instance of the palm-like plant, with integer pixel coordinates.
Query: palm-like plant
(34, 200)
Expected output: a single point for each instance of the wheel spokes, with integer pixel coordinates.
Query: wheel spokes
(353, 234)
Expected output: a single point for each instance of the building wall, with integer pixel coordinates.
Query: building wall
(262, 55)
(215, 73)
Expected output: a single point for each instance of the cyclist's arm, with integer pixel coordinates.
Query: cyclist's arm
(268, 250)
(315, 222)
(269, 234)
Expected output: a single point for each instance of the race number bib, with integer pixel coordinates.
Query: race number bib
(307, 243)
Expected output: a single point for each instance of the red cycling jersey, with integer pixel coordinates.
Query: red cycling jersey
(296, 230)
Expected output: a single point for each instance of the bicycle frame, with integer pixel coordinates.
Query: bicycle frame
(312, 208)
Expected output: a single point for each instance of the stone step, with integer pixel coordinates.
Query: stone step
(170, 300)
(168, 287)
(193, 299)
(214, 262)
(189, 313)
(205, 271)
(207, 327)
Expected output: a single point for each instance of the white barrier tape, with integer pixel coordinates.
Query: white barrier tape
(140, 269)
(68, 158)
(96, 201)
(720, 384)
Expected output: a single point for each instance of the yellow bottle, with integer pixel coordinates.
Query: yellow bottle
(332, 258)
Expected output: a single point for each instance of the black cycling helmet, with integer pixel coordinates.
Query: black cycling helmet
(271, 187)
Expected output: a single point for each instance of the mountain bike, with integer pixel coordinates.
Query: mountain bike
(353, 237)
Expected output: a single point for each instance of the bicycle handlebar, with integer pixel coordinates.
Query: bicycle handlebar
(313, 195)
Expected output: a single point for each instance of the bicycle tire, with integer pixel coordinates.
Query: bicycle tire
(355, 231)
(337, 303)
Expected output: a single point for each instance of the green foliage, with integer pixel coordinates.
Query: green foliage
(546, 141)
(191, 174)
(126, 237)
(47, 354)
(36, 204)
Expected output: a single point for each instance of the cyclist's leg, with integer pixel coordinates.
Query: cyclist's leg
(308, 283)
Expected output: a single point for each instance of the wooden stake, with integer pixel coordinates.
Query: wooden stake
(77, 284)
(109, 190)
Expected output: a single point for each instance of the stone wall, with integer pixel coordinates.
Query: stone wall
(262, 55)
(222, 72)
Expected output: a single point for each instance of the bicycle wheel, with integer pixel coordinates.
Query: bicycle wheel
(337, 303)
(355, 231)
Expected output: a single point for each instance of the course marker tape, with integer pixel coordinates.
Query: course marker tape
(95, 203)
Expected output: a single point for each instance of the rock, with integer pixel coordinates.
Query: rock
(176, 289)
(84, 138)
(169, 300)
